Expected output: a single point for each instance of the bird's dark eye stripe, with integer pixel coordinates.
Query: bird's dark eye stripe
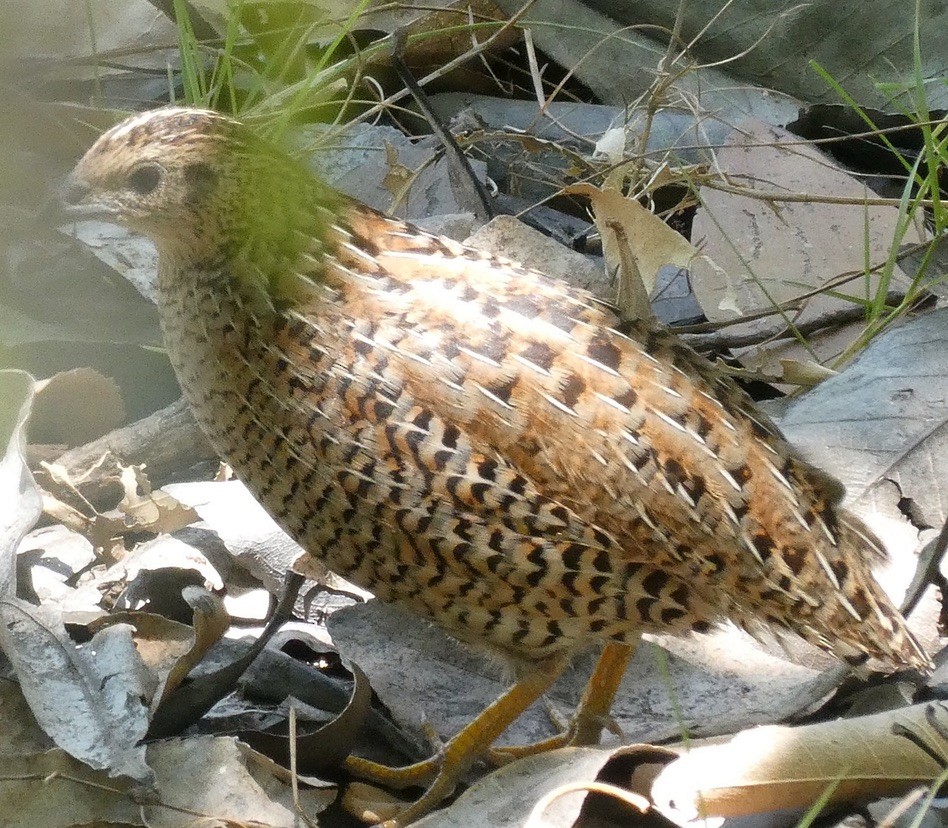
(144, 178)
(200, 175)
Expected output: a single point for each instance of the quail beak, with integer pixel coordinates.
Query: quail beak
(75, 203)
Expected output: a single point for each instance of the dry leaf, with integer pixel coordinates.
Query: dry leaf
(636, 244)
(53, 790)
(211, 621)
(804, 372)
(398, 178)
(157, 511)
(169, 648)
(774, 250)
(75, 407)
(772, 767)
(217, 778)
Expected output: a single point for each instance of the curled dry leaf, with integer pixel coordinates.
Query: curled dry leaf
(766, 365)
(548, 789)
(327, 745)
(169, 649)
(211, 621)
(435, 31)
(160, 642)
(153, 511)
(74, 407)
(141, 509)
(772, 767)
(190, 701)
(84, 698)
(20, 502)
(633, 800)
(370, 804)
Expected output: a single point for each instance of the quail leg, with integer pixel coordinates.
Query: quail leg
(592, 713)
(446, 768)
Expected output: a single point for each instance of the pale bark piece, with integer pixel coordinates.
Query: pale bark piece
(248, 532)
(509, 238)
(253, 537)
(772, 768)
(457, 226)
(771, 251)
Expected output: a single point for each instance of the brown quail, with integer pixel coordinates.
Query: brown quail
(469, 438)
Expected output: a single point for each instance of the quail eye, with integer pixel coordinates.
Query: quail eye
(145, 178)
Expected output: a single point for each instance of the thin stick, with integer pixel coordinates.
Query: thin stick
(447, 139)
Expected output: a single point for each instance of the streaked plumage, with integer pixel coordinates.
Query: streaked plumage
(465, 436)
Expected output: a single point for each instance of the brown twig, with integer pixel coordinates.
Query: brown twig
(842, 316)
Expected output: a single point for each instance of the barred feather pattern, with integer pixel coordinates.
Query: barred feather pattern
(478, 442)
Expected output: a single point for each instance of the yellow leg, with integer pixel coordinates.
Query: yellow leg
(591, 715)
(457, 756)
(409, 776)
